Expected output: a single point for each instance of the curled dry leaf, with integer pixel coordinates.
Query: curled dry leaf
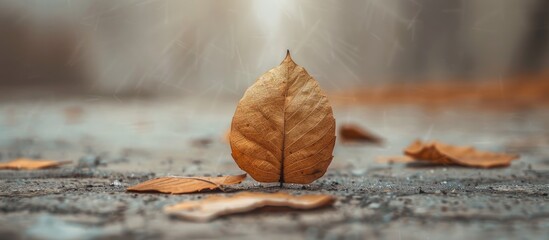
(215, 206)
(441, 153)
(283, 129)
(31, 164)
(178, 185)
(353, 133)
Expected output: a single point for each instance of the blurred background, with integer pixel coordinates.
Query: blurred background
(151, 47)
(116, 76)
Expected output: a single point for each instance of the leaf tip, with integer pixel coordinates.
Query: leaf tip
(288, 57)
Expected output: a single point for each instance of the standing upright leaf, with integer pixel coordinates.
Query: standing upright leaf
(283, 129)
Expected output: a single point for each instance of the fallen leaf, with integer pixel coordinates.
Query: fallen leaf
(441, 153)
(178, 185)
(31, 164)
(283, 129)
(353, 133)
(394, 159)
(215, 206)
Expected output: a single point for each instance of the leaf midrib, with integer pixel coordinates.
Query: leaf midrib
(286, 89)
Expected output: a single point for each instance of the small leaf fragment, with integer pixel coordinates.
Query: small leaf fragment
(31, 164)
(437, 152)
(394, 159)
(216, 206)
(179, 185)
(354, 133)
(283, 129)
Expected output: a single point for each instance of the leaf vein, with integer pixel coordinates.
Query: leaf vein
(313, 143)
(303, 159)
(308, 131)
(254, 157)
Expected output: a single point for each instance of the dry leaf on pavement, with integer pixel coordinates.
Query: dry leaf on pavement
(437, 152)
(283, 129)
(31, 164)
(353, 133)
(178, 185)
(394, 159)
(215, 206)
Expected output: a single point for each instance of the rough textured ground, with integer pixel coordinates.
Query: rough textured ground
(112, 138)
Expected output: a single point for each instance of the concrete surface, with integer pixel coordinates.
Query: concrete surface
(114, 139)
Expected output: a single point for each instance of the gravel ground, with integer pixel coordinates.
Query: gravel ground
(113, 140)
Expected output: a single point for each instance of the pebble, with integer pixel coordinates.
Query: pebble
(358, 171)
(374, 205)
(89, 161)
(116, 183)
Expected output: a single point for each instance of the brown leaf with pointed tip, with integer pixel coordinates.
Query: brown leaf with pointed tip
(215, 206)
(31, 164)
(283, 129)
(178, 185)
(437, 152)
(354, 133)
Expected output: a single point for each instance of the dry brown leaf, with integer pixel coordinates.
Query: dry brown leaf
(31, 164)
(394, 159)
(353, 133)
(178, 185)
(215, 206)
(283, 129)
(437, 152)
